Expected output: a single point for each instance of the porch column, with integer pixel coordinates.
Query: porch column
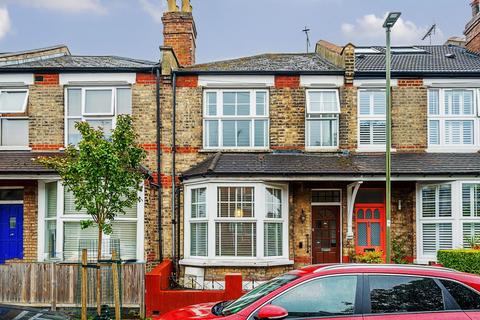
(352, 190)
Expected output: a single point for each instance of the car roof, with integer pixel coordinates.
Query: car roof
(383, 268)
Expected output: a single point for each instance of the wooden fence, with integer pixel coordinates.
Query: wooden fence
(57, 285)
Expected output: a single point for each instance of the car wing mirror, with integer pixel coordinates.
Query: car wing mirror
(272, 312)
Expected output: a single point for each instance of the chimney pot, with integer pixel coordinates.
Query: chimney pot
(186, 6)
(172, 6)
(475, 7)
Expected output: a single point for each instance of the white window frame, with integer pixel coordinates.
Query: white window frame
(92, 116)
(259, 218)
(61, 218)
(370, 117)
(442, 118)
(24, 108)
(457, 219)
(20, 117)
(308, 111)
(219, 117)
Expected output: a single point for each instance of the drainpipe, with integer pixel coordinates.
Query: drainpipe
(159, 159)
(174, 147)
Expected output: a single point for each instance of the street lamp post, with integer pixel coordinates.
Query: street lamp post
(390, 21)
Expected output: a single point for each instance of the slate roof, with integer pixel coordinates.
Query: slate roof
(271, 62)
(295, 164)
(74, 62)
(23, 162)
(435, 59)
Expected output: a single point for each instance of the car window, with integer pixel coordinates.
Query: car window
(389, 294)
(466, 298)
(257, 293)
(328, 296)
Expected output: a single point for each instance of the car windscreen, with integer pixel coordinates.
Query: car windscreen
(13, 313)
(257, 293)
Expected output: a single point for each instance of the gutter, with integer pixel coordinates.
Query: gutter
(296, 73)
(174, 147)
(410, 74)
(75, 70)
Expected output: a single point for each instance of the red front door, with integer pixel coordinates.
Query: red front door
(370, 227)
(326, 234)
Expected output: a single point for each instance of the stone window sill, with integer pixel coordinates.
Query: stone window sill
(198, 262)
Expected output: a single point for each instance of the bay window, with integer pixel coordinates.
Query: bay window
(452, 119)
(225, 222)
(13, 122)
(97, 106)
(63, 236)
(323, 110)
(235, 119)
(448, 216)
(372, 119)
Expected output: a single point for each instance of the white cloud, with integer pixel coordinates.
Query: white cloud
(369, 30)
(72, 6)
(154, 8)
(5, 23)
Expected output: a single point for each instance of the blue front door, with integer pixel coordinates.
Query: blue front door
(11, 232)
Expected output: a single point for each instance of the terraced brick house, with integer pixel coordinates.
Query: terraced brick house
(280, 157)
(43, 93)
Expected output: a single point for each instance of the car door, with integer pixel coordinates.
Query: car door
(328, 297)
(467, 299)
(399, 297)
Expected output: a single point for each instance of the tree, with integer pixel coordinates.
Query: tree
(104, 175)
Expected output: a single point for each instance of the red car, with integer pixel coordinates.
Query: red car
(352, 291)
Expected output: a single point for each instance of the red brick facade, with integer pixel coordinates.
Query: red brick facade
(179, 33)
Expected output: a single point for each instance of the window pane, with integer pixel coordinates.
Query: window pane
(379, 132)
(12, 101)
(229, 132)
(198, 239)
(243, 103)
(74, 135)
(50, 238)
(124, 101)
(324, 297)
(69, 204)
(11, 194)
(434, 132)
(273, 239)
(212, 103)
(74, 102)
(445, 201)
(329, 102)
(322, 133)
(365, 132)
(467, 132)
(324, 196)
(364, 103)
(391, 294)
(199, 203)
(468, 102)
(126, 233)
(471, 233)
(235, 239)
(229, 100)
(429, 238)
(448, 101)
(260, 133)
(98, 101)
(375, 233)
(379, 103)
(466, 298)
(261, 102)
(51, 199)
(243, 133)
(274, 203)
(456, 103)
(433, 102)
(211, 128)
(429, 202)
(14, 132)
(235, 202)
(471, 200)
(106, 125)
(362, 234)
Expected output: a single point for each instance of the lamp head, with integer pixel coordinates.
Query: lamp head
(391, 19)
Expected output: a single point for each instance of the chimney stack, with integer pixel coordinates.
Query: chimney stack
(475, 7)
(179, 32)
(472, 29)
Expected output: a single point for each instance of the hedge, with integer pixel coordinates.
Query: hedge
(466, 260)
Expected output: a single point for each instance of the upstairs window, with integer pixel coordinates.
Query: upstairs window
(451, 117)
(323, 109)
(13, 122)
(371, 118)
(97, 106)
(235, 119)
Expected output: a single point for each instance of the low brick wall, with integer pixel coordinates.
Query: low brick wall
(160, 298)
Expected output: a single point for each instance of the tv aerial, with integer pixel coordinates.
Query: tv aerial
(307, 30)
(430, 33)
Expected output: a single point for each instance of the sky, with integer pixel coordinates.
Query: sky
(226, 28)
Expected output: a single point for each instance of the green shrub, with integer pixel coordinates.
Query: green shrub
(399, 254)
(466, 260)
(370, 257)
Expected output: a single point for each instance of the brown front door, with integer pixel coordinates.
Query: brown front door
(326, 234)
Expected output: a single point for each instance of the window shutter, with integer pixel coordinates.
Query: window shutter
(69, 203)
(445, 200)
(434, 132)
(273, 239)
(467, 102)
(72, 236)
(364, 103)
(365, 137)
(445, 236)
(433, 102)
(235, 239)
(198, 239)
(379, 103)
(470, 230)
(379, 132)
(429, 239)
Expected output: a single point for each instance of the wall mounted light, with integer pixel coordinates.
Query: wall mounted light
(399, 205)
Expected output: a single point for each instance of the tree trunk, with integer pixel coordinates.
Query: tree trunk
(99, 273)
